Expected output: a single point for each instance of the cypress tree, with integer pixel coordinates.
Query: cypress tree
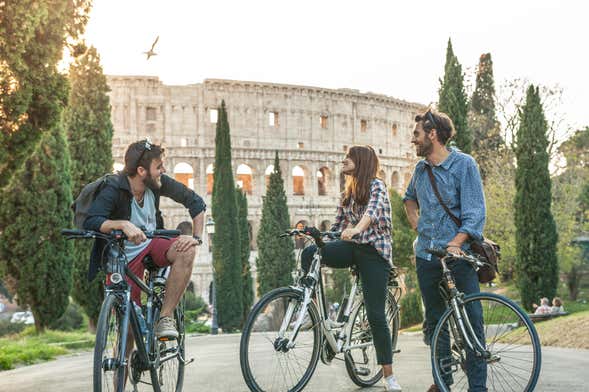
(36, 207)
(403, 234)
(536, 237)
(244, 236)
(275, 255)
(482, 119)
(453, 101)
(33, 34)
(226, 243)
(89, 131)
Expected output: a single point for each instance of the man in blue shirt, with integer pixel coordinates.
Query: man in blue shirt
(460, 187)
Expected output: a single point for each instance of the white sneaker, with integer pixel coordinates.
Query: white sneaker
(391, 384)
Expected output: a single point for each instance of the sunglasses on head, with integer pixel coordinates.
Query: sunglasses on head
(430, 117)
(146, 147)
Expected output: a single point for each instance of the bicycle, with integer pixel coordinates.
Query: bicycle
(506, 341)
(289, 330)
(163, 359)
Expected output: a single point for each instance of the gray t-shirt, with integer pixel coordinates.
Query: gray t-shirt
(141, 217)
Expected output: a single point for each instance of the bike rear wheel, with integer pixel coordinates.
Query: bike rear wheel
(513, 352)
(109, 374)
(361, 364)
(267, 364)
(168, 372)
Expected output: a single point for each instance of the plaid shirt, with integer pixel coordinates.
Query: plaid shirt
(378, 233)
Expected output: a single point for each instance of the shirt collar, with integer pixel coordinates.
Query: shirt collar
(446, 163)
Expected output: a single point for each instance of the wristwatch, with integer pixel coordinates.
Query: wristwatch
(198, 239)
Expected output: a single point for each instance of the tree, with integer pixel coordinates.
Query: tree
(403, 234)
(536, 237)
(33, 34)
(35, 208)
(453, 101)
(89, 132)
(226, 242)
(244, 236)
(482, 119)
(275, 255)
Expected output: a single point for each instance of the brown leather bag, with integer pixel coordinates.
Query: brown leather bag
(486, 249)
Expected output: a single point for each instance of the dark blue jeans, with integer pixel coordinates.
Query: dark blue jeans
(374, 273)
(429, 274)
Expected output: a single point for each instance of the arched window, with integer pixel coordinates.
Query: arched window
(395, 180)
(244, 178)
(183, 173)
(269, 170)
(323, 175)
(298, 181)
(210, 179)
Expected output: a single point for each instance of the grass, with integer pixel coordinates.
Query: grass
(28, 347)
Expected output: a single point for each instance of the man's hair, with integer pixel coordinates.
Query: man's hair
(141, 153)
(439, 121)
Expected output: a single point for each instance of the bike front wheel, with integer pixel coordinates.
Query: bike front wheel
(109, 374)
(361, 363)
(512, 355)
(268, 360)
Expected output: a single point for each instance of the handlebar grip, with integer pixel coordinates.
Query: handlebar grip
(163, 233)
(439, 252)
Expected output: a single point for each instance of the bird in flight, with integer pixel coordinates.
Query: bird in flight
(151, 52)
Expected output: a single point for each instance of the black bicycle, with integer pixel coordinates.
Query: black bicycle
(505, 345)
(289, 330)
(163, 359)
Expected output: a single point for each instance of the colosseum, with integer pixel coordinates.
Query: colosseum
(310, 127)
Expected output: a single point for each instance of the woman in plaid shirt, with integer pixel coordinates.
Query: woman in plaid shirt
(364, 218)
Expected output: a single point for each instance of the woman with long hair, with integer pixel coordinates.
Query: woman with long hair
(364, 218)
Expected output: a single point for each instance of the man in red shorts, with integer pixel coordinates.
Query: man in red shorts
(130, 202)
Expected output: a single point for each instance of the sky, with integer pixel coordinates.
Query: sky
(396, 48)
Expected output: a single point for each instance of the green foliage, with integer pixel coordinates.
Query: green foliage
(275, 255)
(35, 208)
(197, 327)
(29, 347)
(8, 328)
(403, 234)
(71, 319)
(536, 237)
(193, 302)
(244, 236)
(482, 119)
(453, 101)
(411, 312)
(89, 132)
(341, 285)
(226, 242)
(33, 35)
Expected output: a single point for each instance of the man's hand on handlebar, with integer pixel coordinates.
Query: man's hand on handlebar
(133, 233)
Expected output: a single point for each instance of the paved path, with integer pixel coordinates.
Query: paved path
(216, 368)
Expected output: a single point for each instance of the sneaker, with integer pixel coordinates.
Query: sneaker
(391, 384)
(166, 328)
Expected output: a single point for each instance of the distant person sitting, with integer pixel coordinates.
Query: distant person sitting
(557, 306)
(185, 228)
(544, 307)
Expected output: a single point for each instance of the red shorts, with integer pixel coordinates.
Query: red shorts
(157, 249)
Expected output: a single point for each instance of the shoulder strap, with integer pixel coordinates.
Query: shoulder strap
(432, 180)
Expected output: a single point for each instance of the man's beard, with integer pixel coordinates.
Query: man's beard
(151, 182)
(424, 149)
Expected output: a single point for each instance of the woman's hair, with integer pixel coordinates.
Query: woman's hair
(358, 182)
(556, 301)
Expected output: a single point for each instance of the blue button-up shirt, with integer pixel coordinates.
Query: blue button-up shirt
(459, 183)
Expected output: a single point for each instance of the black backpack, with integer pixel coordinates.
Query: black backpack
(82, 204)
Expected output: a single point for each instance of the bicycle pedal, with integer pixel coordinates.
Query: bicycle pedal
(166, 339)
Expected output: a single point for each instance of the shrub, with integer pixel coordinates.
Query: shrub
(71, 320)
(8, 328)
(197, 327)
(411, 313)
(193, 302)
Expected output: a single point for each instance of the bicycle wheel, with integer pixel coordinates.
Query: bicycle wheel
(109, 375)
(361, 364)
(513, 354)
(168, 372)
(267, 364)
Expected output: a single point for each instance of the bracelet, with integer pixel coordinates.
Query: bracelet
(198, 239)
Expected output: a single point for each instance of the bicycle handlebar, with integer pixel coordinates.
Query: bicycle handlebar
(116, 234)
(443, 253)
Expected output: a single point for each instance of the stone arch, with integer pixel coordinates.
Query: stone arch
(269, 170)
(395, 180)
(184, 173)
(382, 175)
(244, 178)
(407, 179)
(323, 180)
(298, 180)
(300, 240)
(210, 178)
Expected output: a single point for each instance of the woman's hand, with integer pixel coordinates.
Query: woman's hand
(347, 234)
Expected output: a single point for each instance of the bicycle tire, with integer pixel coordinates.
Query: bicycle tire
(169, 376)
(392, 315)
(518, 335)
(258, 327)
(108, 327)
